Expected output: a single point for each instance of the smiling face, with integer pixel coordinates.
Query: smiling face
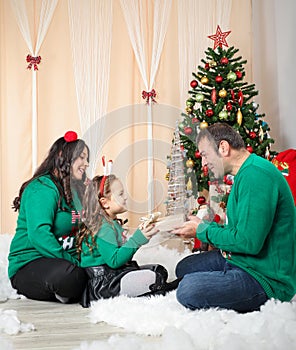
(116, 202)
(80, 164)
(211, 157)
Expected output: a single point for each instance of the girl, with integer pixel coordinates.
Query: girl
(106, 253)
(43, 261)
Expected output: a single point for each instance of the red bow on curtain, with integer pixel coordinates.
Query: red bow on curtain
(33, 61)
(149, 96)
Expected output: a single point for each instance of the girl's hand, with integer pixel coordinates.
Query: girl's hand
(149, 230)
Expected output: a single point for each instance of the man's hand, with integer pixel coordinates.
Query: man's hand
(188, 230)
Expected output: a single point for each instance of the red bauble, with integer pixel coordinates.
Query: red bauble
(205, 170)
(224, 60)
(188, 130)
(193, 84)
(250, 149)
(201, 200)
(240, 98)
(239, 74)
(194, 120)
(197, 154)
(209, 112)
(219, 79)
(182, 147)
(217, 218)
(70, 136)
(228, 106)
(207, 66)
(252, 135)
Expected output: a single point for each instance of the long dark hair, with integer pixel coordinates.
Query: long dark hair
(57, 164)
(93, 211)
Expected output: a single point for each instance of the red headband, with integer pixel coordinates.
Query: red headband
(107, 172)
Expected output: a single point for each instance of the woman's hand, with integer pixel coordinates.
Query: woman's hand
(148, 230)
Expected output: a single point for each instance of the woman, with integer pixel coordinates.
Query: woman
(43, 261)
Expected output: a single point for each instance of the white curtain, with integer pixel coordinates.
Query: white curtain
(91, 35)
(135, 21)
(197, 19)
(46, 12)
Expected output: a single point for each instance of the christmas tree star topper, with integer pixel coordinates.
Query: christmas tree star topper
(219, 38)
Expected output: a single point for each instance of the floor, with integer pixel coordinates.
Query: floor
(57, 326)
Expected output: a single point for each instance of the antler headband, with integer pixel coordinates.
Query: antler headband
(107, 171)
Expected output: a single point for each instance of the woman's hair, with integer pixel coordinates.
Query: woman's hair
(93, 211)
(221, 131)
(57, 164)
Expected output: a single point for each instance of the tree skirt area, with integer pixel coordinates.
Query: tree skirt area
(168, 324)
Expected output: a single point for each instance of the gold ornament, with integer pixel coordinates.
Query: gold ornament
(189, 185)
(190, 163)
(203, 125)
(239, 117)
(212, 63)
(223, 93)
(188, 110)
(204, 80)
(167, 176)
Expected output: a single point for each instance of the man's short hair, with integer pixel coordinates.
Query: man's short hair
(221, 131)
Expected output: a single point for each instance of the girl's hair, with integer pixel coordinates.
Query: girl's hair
(57, 164)
(93, 211)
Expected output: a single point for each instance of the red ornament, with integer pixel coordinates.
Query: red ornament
(250, 149)
(201, 200)
(70, 136)
(224, 60)
(182, 147)
(193, 84)
(33, 61)
(252, 135)
(217, 218)
(232, 95)
(219, 79)
(188, 130)
(214, 96)
(205, 170)
(240, 98)
(197, 154)
(194, 120)
(207, 66)
(219, 38)
(239, 74)
(228, 106)
(209, 112)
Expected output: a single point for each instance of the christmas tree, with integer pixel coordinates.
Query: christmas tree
(218, 93)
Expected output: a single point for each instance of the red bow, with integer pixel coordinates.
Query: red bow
(149, 95)
(33, 61)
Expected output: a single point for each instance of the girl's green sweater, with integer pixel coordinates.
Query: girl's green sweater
(110, 247)
(260, 233)
(43, 228)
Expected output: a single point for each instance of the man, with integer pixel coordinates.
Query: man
(257, 244)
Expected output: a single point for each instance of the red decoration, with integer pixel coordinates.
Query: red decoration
(33, 61)
(205, 170)
(149, 96)
(252, 134)
(201, 200)
(209, 112)
(240, 98)
(250, 149)
(219, 79)
(217, 218)
(239, 74)
(219, 38)
(207, 66)
(188, 130)
(194, 84)
(232, 95)
(229, 106)
(70, 136)
(214, 96)
(224, 60)
(194, 120)
(197, 154)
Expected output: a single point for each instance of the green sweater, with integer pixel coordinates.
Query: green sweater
(43, 229)
(260, 235)
(110, 248)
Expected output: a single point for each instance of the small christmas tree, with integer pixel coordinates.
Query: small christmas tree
(177, 198)
(219, 94)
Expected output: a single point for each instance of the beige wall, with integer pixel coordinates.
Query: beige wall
(57, 109)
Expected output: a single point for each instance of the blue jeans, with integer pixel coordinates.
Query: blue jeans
(209, 280)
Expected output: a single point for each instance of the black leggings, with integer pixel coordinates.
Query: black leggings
(43, 278)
